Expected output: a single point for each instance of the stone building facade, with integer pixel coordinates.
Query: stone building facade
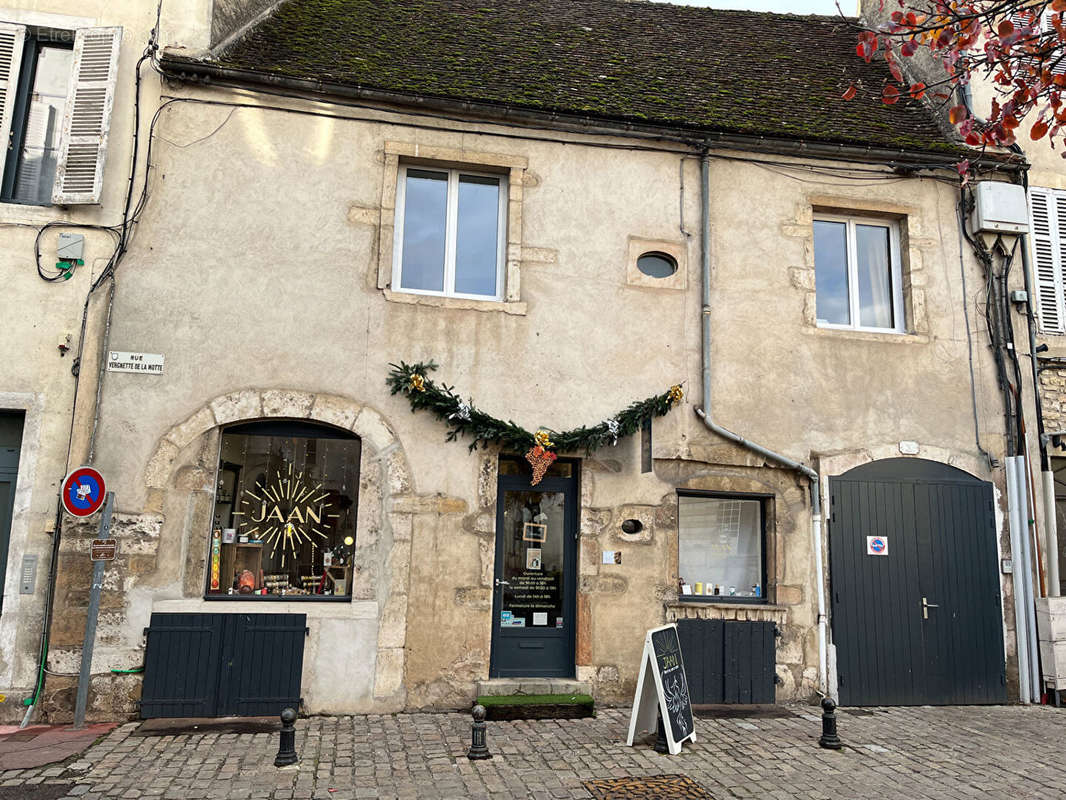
(266, 270)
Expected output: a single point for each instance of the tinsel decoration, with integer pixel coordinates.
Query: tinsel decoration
(612, 428)
(465, 419)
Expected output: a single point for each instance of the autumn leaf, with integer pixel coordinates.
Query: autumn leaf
(1038, 131)
(1005, 29)
(917, 90)
(910, 47)
(849, 93)
(890, 95)
(957, 114)
(867, 45)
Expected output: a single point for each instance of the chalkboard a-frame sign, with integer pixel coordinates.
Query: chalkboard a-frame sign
(663, 687)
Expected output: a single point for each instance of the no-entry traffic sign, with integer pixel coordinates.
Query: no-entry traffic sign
(877, 545)
(83, 492)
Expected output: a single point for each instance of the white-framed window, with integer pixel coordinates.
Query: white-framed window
(1047, 211)
(858, 273)
(451, 232)
(57, 88)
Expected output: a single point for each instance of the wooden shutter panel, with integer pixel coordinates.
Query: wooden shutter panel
(87, 116)
(12, 38)
(1049, 249)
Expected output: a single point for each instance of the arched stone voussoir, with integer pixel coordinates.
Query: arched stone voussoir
(252, 404)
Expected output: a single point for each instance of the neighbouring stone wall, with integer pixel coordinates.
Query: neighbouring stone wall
(1053, 397)
(118, 641)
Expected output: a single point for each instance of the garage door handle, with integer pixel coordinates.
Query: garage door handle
(926, 605)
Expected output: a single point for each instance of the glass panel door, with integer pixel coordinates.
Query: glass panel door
(533, 602)
(531, 589)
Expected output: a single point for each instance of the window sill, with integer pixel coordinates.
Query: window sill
(865, 335)
(459, 303)
(32, 214)
(725, 602)
(740, 612)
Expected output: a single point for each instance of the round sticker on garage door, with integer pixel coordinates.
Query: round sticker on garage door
(877, 545)
(83, 491)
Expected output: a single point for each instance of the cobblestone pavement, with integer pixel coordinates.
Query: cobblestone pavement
(917, 753)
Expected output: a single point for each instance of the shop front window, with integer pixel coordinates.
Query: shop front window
(720, 548)
(285, 510)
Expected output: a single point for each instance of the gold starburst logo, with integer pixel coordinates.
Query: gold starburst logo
(285, 513)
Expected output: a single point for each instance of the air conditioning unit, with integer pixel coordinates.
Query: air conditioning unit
(999, 208)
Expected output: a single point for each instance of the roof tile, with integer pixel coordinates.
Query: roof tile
(740, 72)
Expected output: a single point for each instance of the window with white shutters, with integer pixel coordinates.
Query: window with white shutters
(1048, 212)
(83, 137)
(57, 89)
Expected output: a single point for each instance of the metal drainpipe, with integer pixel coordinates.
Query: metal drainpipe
(705, 415)
(1051, 534)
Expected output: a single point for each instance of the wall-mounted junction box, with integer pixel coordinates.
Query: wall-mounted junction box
(999, 208)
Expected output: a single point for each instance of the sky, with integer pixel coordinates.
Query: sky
(785, 6)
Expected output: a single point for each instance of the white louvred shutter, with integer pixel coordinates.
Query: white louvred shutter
(87, 116)
(12, 38)
(1049, 253)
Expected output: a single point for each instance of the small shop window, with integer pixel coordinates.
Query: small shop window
(285, 510)
(721, 551)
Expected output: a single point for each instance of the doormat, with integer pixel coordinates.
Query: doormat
(537, 706)
(186, 725)
(742, 712)
(652, 787)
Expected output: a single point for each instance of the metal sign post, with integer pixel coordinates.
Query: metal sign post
(90, 622)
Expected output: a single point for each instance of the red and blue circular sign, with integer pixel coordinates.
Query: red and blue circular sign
(878, 545)
(83, 492)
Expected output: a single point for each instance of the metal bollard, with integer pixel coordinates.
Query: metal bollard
(829, 738)
(287, 747)
(661, 745)
(479, 750)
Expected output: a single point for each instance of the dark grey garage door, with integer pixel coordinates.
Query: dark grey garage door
(915, 586)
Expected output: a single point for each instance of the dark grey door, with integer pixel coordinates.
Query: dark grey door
(533, 608)
(915, 586)
(214, 665)
(10, 444)
(729, 661)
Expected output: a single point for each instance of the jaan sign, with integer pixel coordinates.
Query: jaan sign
(145, 363)
(103, 549)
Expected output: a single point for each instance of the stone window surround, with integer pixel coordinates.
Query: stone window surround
(677, 250)
(912, 246)
(380, 443)
(410, 153)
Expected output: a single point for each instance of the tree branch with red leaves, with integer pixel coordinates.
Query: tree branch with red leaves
(1018, 47)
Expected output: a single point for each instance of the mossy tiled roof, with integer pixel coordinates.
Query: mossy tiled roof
(774, 75)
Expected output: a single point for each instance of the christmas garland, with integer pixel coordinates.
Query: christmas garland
(542, 447)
